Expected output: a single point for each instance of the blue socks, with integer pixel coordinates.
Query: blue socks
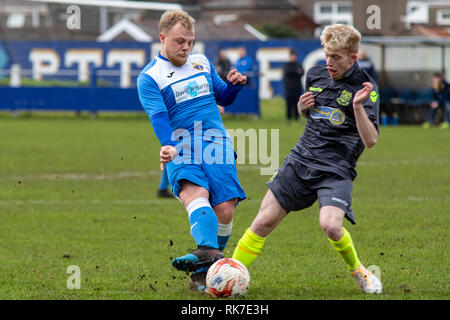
(203, 221)
(223, 234)
(205, 228)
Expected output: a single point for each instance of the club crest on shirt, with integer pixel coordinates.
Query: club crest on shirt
(197, 66)
(373, 96)
(345, 98)
(337, 117)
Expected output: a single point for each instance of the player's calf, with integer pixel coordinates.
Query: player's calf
(224, 212)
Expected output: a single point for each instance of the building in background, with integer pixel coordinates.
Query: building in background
(243, 19)
(412, 43)
(46, 19)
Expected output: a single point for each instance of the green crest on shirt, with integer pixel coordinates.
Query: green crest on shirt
(373, 96)
(344, 98)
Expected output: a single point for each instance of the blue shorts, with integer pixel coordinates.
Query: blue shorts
(220, 180)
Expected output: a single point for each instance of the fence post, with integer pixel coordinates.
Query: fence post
(92, 90)
(15, 80)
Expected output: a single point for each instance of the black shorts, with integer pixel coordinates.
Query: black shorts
(297, 187)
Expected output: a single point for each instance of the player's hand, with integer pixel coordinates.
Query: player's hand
(305, 102)
(362, 94)
(434, 104)
(167, 154)
(234, 77)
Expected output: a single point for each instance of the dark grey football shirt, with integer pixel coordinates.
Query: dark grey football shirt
(331, 141)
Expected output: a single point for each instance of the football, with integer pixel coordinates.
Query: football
(227, 277)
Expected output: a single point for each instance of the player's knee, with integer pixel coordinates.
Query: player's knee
(226, 217)
(332, 230)
(224, 212)
(190, 191)
(331, 220)
(269, 216)
(264, 223)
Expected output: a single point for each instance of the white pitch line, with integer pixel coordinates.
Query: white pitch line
(101, 176)
(152, 173)
(431, 162)
(84, 176)
(72, 202)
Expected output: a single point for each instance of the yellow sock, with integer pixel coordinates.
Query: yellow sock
(248, 248)
(346, 249)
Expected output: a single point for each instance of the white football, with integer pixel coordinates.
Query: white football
(227, 277)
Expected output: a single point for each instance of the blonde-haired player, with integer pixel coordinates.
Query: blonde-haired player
(341, 107)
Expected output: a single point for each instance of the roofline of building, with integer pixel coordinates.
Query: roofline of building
(125, 25)
(406, 40)
(141, 5)
(242, 6)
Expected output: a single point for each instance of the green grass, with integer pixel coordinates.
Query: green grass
(80, 191)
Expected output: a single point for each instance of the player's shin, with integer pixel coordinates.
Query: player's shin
(223, 234)
(248, 248)
(346, 250)
(203, 221)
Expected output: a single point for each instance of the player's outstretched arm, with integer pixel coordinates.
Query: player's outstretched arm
(366, 129)
(226, 92)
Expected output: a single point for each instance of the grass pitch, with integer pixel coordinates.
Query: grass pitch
(80, 191)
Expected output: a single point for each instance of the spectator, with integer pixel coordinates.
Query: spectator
(388, 112)
(292, 73)
(223, 65)
(244, 64)
(366, 64)
(441, 97)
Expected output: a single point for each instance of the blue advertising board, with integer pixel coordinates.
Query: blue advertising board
(117, 65)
